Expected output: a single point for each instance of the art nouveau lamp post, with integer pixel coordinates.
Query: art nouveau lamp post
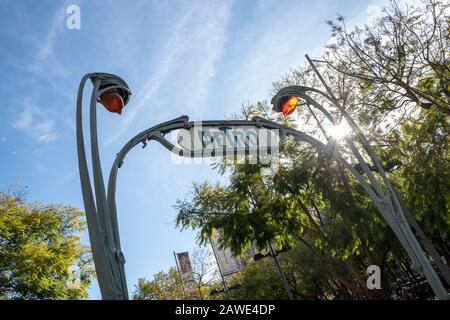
(101, 211)
(114, 94)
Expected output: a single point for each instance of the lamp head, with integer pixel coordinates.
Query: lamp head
(285, 101)
(113, 93)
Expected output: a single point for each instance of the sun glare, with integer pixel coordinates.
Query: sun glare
(341, 130)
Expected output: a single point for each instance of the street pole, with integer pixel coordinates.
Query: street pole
(110, 277)
(98, 247)
(284, 281)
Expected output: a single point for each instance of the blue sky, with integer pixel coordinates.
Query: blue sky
(199, 58)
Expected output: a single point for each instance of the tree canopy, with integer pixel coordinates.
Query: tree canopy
(41, 255)
(163, 286)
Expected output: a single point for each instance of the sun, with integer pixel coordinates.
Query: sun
(341, 130)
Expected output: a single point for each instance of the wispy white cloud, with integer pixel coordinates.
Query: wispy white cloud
(273, 39)
(367, 16)
(44, 60)
(191, 51)
(34, 123)
(43, 67)
(373, 12)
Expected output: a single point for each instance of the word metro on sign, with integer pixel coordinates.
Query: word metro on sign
(227, 140)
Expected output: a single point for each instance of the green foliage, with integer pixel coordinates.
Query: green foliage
(163, 286)
(39, 248)
(169, 285)
(424, 178)
(259, 280)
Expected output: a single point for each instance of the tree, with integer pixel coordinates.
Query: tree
(169, 285)
(392, 78)
(40, 248)
(307, 201)
(403, 56)
(204, 271)
(423, 147)
(164, 286)
(307, 278)
(259, 280)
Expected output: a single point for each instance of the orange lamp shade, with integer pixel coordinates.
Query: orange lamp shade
(289, 105)
(112, 101)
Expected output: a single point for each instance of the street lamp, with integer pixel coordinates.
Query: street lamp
(113, 93)
(384, 196)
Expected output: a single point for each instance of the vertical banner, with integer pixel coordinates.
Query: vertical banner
(186, 273)
(184, 262)
(227, 262)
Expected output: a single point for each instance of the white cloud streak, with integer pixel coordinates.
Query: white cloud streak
(34, 123)
(195, 45)
(44, 59)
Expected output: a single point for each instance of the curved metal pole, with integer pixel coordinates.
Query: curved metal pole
(391, 200)
(351, 122)
(387, 209)
(98, 247)
(301, 92)
(96, 166)
(111, 194)
(100, 195)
